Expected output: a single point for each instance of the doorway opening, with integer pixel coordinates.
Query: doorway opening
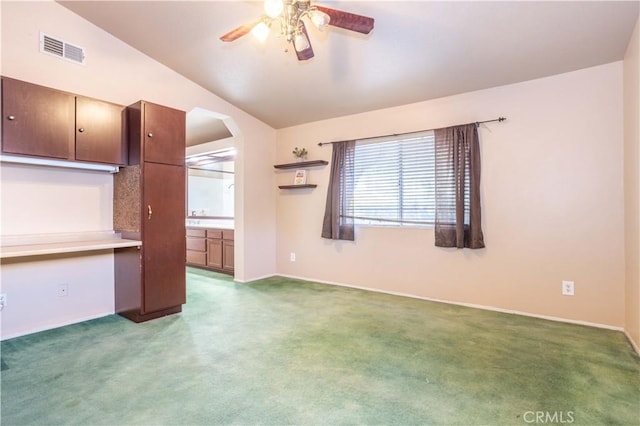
(211, 192)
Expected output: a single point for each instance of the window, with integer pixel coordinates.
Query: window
(417, 179)
(394, 180)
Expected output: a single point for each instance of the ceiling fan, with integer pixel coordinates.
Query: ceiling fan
(290, 13)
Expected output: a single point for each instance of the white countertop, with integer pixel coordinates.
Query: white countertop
(210, 223)
(37, 245)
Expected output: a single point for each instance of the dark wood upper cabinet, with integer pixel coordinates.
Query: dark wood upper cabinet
(37, 120)
(156, 128)
(43, 122)
(99, 131)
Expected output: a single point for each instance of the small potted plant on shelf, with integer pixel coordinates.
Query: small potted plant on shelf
(300, 153)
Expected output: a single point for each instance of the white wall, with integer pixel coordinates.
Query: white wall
(118, 73)
(33, 303)
(632, 185)
(551, 193)
(45, 200)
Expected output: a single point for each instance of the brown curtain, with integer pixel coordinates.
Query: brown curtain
(338, 214)
(458, 218)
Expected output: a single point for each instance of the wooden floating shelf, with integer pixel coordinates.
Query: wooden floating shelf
(306, 185)
(301, 164)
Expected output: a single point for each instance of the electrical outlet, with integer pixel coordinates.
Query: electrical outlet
(292, 257)
(63, 290)
(3, 301)
(568, 288)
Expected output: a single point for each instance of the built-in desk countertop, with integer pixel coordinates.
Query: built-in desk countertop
(39, 245)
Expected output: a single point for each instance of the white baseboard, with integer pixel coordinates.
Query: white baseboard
(54, 325)
(468, 305)
(257, 278)
(633, 343)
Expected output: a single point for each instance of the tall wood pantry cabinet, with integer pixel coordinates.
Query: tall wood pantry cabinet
(149, 204)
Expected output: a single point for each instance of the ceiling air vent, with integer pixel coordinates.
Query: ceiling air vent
(61, 49)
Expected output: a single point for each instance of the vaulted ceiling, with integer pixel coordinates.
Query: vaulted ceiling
(418, 50)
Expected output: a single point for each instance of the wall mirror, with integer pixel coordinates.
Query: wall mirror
(210, 185)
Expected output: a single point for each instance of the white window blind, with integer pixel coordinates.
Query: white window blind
(394, 180)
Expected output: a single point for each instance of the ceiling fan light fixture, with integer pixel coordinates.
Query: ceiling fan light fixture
(261, 31)
(291, 15)
(273, 8)
(300, 42)
(319, 19)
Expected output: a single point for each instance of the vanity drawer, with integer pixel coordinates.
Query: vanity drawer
(214, 233)
(196, 233)
(196, 244)
(227, 234)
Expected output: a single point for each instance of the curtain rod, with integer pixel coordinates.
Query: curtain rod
(477, 123)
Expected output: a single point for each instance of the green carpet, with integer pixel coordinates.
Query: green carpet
(289, 352)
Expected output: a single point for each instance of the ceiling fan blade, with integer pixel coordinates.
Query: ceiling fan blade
(307, 53)
(348, 21)
(239, 32)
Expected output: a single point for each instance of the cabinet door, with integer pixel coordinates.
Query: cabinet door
(214, 253)
(227, 255)
(197, 258)
(164, 237)
(37, 120)
(196, 244)
(164, 134)
(99, 129)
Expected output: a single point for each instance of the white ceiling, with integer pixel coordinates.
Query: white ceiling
(418, 50)
(202, 127)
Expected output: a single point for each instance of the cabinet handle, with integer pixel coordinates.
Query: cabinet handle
(150, 134)
(149, 210)
(81, 129)
(11, 117)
